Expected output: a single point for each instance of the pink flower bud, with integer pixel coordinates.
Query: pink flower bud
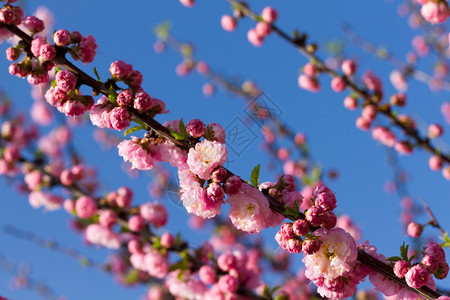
(401, 267)
(435, 130)
(124, 197)
(208, 89)
(7, 16)
(414, 229)
(293, 245)
(228, 284)
(196, 128)
(398, 99)
(85, 207)
(119, 118)
(369, 112)
(135, 79)
(142, 101)
(435, 163)
(309, 69)
(228, 23)
(269, 14)
(308, 83)
(404, 148)
(311, 246)
(315, 215)
(62, 38)
(254, 39)
(36, 45)
(13, 53)
(124, 98)
(134, 247)
(17, 70)
(47, 52)
(107, 218)
(65, 80)
(120, 70)
(417, 276)
(69, 206)
(215, 192)
(434, 249)
(324, 197)
(446, 172)
(154, 213)
(207, 274)
(67, 177)
(430, 263)
(348, 67)
(11, 154)
(33, 24)
(219, 175)
(226, 262)
(263, 29)
(73, 108)
(136, 223)
(187, 3)
(167, 240)
(300, 227)
(232, 185)
(330, 220)
(350, 103)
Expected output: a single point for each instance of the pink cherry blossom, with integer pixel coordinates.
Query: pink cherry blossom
(249, 209)
(205, 157)
(336, 256)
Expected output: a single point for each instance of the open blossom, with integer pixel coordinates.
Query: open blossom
(336, 256)
(49, 201)
(435, 11)
(205, 157)
(249, 209)
(99, 235)
(135, 153)
(196, 201)
(154, 213)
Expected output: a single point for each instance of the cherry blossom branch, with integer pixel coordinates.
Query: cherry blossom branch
(384, 54)
(24, 280)
(54, 246)
(433, 222)
(275, 205)
(249, 94)
(308, 51)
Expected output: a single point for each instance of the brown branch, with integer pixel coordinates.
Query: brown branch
(363, 93)
(433, 222)
(377, 265)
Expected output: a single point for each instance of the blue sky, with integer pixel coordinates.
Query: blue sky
(124, 31)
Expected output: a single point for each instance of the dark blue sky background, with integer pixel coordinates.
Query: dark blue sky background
(123, 30)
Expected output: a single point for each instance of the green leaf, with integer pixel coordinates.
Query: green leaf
(254, 177)
(131, 277)
(291, 212)
(133, 129)
(267, 291)
(446, 239)
(84, 262)
(139, 121)
(404, 251)
(162, 30)
(112, 95)
(394, 258)
(176, 135)
(96, 74)
(182, 128)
